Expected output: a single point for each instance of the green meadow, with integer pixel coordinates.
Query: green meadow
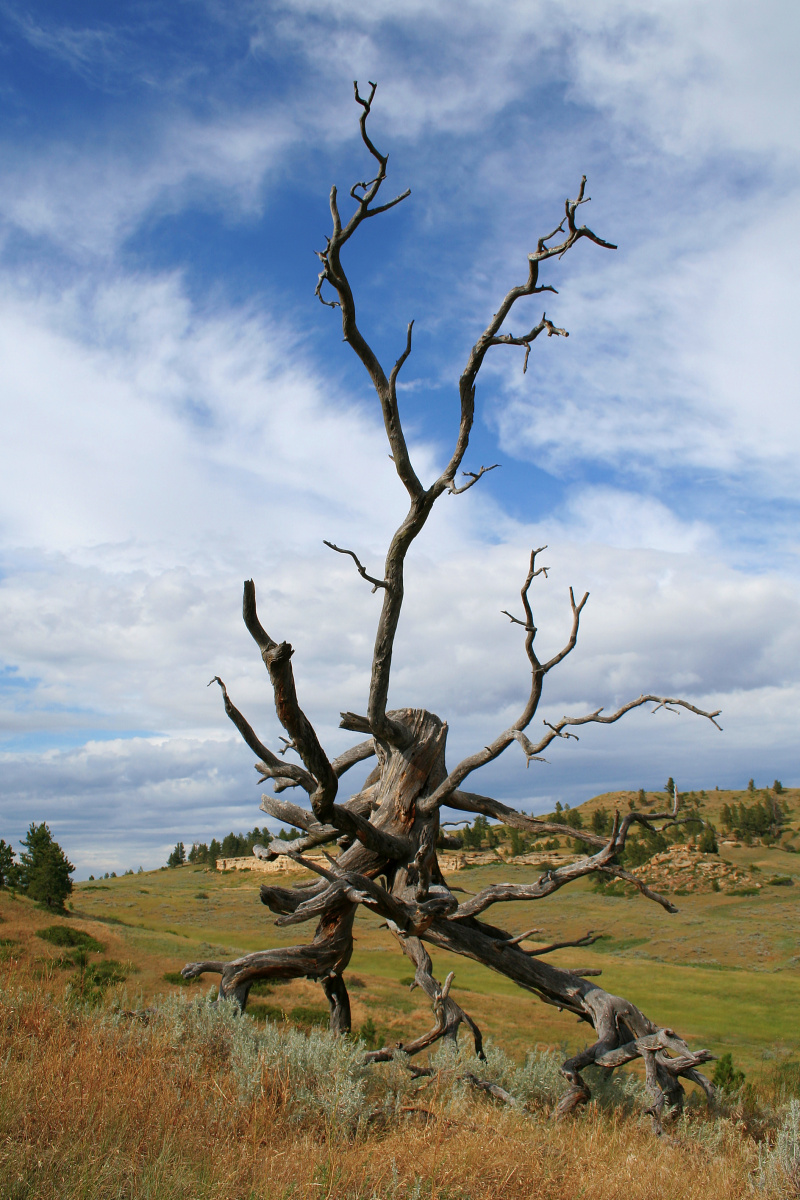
(724, 971)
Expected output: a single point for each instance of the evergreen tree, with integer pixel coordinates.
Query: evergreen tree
(44, 868)
(518, 844)
(670, 787)
(178, 856)
(233, 845)
(727, 1075)
(707, 842)
(601, 821)
(9, 870)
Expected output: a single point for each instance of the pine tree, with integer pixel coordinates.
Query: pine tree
(178, 856)
(44, 868)
(9, 870)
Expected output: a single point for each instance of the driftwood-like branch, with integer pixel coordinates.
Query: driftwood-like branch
(588, 939)
(551, 881)
(277, 659)
(447, 1013)
(271, 767)
(473, 803)
(558, 729)
(538, 672)
(507, 339)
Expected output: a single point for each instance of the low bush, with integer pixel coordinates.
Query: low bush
(779, 1164)
(176, 978)
(65, 935)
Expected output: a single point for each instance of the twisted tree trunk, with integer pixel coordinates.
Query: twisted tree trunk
(388, 831)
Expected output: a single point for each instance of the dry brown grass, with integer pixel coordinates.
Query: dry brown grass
(92, 1108)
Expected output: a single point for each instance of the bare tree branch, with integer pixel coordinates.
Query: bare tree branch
(364, 193)
(447, 1013)
(526, 339)
(272, 767)
(355, 754)
(538, 671)
(377, 583)
(473, 477)
(555, 730)
(277, 659)
(588, 939)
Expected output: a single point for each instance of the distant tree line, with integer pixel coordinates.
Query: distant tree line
(762, 819)
(233, 845)
(43, 871)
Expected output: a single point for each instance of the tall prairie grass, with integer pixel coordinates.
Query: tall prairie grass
(194, 1101)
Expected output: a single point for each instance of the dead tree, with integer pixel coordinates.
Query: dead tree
(388, 832)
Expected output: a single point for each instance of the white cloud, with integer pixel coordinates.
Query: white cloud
(156, 453)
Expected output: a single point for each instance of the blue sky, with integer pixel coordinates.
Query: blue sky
(179, 413)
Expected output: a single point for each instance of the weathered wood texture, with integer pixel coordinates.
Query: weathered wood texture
(388, 832)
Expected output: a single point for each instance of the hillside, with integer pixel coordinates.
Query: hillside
(725, 970)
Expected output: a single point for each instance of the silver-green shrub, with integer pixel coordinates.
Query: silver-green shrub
(778, 1171)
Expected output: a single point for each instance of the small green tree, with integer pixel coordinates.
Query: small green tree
(9, 870)
(45, 870)
(727, 1076)
(670, 787)
(178, 856)
(777, 787)
(601, 821)
(751, 786)
(518, 843)
(707, 842)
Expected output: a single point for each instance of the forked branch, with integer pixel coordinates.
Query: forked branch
(365, 194)
(558, 729)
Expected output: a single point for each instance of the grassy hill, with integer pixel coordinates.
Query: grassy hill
(724, 971)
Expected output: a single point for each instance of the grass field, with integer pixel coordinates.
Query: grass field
(724, 970)
(96, 1106)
